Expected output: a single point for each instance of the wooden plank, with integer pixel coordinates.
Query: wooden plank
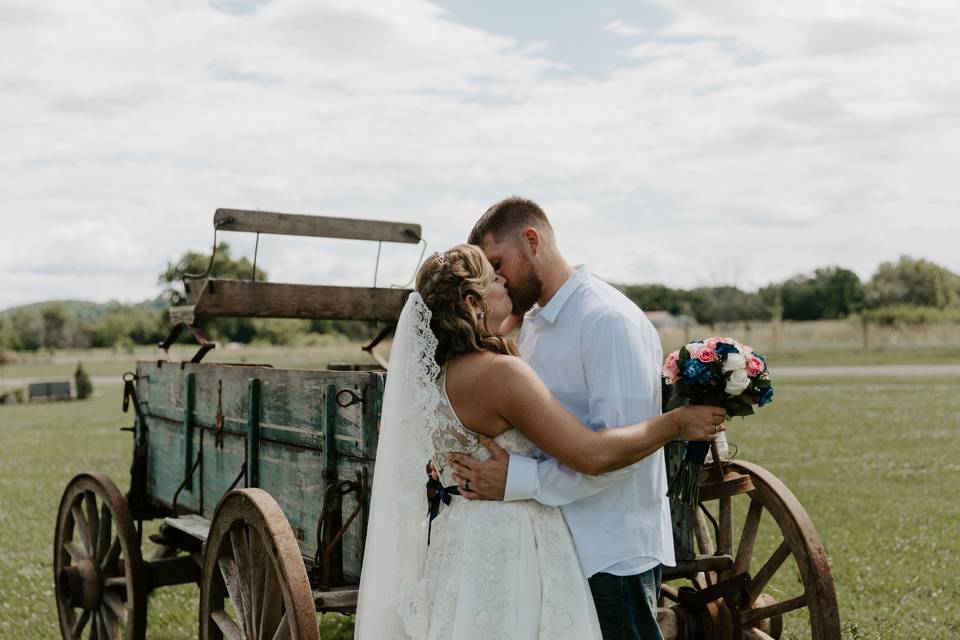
(294, 224)
(240, 299)
(336, 599)
(193, 525)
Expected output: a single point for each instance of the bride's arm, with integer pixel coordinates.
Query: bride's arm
(524, 401)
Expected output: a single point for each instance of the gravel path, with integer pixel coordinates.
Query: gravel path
(875, 371)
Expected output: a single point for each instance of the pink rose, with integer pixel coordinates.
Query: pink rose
(754, 366)
(670, 371)
(711, 343)
(706, 355)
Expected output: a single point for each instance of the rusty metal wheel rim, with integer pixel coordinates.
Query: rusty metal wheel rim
(800, 540)
(99, 580)
(737, 620)
(252, 558)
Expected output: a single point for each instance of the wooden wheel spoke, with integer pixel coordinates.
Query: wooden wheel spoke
(102, 626)
(110, 558)
(705, 544)
(75, 552)
(95, 626)
(767, 571)
(751, 616)
(748, 536)
(115, 582)
(271, 604)
(93, 520)
(227, 626)
(240, 541)
(669, 592)
(113, 602)
(105, 532)
(231, 580)
(704, 539)
(258, 570)
(79, 624)
(283, 629)
(80, 522)
(725, 534)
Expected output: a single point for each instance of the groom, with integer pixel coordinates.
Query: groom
(600, 356)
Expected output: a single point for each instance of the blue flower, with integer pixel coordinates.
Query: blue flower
(724, 348)
(696, 371)
(766, 396)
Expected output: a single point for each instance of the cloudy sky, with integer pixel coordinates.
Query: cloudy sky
(675, 141)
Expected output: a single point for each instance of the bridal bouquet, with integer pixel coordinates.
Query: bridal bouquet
(720, 372)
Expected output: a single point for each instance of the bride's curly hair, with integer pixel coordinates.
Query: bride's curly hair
(444, 281)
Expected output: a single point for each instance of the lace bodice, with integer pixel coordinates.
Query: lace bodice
(451, 436)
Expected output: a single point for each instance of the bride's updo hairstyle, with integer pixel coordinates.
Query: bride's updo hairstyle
(444, 281)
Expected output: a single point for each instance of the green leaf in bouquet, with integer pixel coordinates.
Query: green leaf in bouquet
(676, 401)
(741, 410)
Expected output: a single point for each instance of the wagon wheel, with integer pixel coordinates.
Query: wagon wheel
(253, 559)
(755, 613)
(97, 566)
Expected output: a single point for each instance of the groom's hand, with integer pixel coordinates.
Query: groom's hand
(486, 480)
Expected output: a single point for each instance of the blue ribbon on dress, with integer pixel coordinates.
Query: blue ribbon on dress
(443, 495)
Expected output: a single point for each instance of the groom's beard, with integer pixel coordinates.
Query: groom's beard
(525, 290)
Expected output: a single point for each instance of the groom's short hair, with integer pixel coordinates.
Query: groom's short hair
(508, 215)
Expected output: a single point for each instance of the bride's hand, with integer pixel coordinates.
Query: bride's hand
(699, 422)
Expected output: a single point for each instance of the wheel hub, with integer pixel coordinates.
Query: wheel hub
(80, 585)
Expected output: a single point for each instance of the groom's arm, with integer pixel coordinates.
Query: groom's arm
(622, 369)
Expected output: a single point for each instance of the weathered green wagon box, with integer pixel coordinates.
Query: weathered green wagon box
(297, 434)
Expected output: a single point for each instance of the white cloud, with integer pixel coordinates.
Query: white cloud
(810, 134)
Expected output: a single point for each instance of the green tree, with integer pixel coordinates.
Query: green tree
(914, 282)
(54, 316)
(27, 329)
(224, 266)
(827, 293)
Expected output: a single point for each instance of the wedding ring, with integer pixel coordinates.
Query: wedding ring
(717, 429)
(466, 485)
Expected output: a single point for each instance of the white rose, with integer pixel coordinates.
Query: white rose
(737, 382)
(693, 346)
(735, 362)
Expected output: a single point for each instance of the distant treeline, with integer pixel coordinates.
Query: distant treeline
(908, 291)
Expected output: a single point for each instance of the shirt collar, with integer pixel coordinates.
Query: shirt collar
(551, 310)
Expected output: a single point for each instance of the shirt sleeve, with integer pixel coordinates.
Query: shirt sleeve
(621, 365)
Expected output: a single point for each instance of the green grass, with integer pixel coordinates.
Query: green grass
(873, 461)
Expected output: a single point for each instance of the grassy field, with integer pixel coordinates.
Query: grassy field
(874, 461)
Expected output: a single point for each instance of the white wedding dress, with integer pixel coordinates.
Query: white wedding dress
(493, 570)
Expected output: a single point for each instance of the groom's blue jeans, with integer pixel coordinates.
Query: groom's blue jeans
(627, 605)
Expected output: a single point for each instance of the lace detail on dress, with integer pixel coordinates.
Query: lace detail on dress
(478, 548)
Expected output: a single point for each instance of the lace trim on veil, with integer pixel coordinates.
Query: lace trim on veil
(422, 420)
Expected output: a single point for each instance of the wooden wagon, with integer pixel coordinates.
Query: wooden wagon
(261, 479)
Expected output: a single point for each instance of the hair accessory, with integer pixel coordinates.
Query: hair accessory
(440, 257)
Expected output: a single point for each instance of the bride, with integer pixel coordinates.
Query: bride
(480, 569)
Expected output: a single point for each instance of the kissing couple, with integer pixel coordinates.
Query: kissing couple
(549, 518)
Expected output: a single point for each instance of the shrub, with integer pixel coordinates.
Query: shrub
(82, 383)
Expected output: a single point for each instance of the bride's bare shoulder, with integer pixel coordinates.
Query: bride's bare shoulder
(481, 370)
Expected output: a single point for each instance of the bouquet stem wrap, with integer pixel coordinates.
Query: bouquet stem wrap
(685, 486)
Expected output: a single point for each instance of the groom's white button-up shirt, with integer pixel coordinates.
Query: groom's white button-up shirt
(600, 356)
